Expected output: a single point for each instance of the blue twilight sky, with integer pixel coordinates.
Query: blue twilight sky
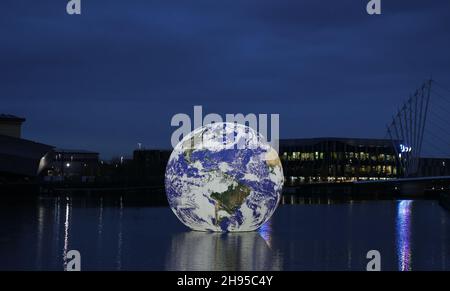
(115, 75)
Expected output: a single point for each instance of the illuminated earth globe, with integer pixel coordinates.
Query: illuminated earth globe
(223, 177)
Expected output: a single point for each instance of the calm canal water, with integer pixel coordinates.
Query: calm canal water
(115, 235)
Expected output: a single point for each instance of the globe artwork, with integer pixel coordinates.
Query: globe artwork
(224, 177)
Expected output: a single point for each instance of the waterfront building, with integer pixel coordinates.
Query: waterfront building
(20, 159)
(337, 160)
(77, 165)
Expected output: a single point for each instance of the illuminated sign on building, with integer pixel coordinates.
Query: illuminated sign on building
(405, 149)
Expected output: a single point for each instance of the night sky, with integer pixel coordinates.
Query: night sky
(116, 75)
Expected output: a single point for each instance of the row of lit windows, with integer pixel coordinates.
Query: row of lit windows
(302, 179)
(303, 156)
(349, 168)
(379, 169)
(385, 170)
(311, 156)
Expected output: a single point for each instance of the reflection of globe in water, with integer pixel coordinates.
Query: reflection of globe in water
(248, 251)
(224, 177)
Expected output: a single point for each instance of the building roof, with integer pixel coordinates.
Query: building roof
(349, 141)
(9, 117)
(23, 147)
(74, 151)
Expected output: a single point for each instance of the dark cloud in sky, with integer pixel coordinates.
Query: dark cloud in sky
(115, 75)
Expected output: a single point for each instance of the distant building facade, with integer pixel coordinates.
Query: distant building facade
(77, 165)
(336, 160)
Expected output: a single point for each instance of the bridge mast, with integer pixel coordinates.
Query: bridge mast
(409, 126)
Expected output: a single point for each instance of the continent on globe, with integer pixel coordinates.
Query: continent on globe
(224, 177)
(231, 199)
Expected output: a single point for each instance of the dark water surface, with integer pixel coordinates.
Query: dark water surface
(115, 235)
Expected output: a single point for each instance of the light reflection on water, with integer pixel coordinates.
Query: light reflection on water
(265, 232)
(404, 209)
(112, 235)
(66, 232)
(196, 251)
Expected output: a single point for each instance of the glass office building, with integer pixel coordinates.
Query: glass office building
(337, 160)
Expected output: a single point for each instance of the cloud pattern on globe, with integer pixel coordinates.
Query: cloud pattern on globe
(224, 177)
